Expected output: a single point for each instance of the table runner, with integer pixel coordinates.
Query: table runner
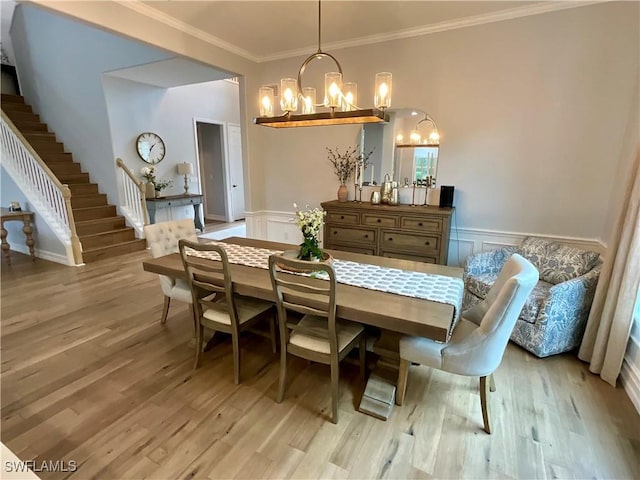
(426, 286)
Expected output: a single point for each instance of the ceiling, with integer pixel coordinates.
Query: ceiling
(268, 30)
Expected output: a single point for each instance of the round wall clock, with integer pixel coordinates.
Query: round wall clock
(150, 147)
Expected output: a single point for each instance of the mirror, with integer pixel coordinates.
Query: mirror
(402, 148)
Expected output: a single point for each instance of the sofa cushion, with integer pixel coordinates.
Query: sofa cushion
(557, 262)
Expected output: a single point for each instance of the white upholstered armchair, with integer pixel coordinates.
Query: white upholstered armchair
(162, 239)
(479, 339)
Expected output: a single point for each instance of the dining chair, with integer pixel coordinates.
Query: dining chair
(480, 338)
(318, 336)
(216, 306)
(162, 239)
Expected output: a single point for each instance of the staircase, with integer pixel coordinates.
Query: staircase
(102, 233)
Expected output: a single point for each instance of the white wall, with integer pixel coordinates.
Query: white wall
(60, 64)
(134, 108)
(532, 114)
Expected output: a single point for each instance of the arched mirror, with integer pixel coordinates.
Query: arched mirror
(406, 148)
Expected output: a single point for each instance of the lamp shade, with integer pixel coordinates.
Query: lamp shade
(185, 168)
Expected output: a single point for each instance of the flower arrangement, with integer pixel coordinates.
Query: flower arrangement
(309, 223)
(162, 184)
(344, 163)
(149, 174)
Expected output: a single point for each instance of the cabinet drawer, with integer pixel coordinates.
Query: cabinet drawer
(427, 224)
(348, 235)
(420, 243)
(343, 217)
(363, 250)
(415, 258)
(379, 220)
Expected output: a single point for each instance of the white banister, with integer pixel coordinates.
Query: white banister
(40, 186)
(133, 205)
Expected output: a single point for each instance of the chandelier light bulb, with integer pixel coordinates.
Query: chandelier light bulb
(266, 101)
(332, 89)
(415, 137)
(382, 97)
(350, 96)
(289, 97)
(399, 138)
(308, 100)
(434, 138)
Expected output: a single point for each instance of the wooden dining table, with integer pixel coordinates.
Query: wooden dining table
(395, 315)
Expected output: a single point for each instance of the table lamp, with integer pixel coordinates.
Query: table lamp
(185, 169)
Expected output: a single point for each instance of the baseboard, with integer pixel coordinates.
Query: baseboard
(278, 226)
(630, 380)
(43, 254)
(218, 218)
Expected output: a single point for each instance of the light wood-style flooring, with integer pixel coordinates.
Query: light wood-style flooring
(89, 374)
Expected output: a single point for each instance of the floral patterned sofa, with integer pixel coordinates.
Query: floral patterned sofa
(554, 317)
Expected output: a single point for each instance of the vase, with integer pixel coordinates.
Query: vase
(343, 193)
(149, 190)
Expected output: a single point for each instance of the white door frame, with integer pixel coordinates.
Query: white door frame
(226, 181)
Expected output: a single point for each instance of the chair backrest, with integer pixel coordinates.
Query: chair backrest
(306, 295)
(480, 352)
(162, 238)
(207, 276)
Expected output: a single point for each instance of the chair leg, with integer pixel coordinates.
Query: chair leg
(363, 357)
(165, 309)
(199, 335)
(492, 383)
(235, 340)
(272, 328)
(402, 381)
(196, 321)
(335, 389)
(484, 402)
(283, 372)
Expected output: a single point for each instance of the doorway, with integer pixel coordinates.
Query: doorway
(219, 149)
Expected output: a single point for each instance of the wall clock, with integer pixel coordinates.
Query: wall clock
(150, 147)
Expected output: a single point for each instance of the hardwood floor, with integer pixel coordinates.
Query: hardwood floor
(89, 374)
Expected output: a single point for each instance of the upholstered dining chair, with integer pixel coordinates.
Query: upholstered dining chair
(162, 239)
(216, 306)
(318, 336)
(480, 338)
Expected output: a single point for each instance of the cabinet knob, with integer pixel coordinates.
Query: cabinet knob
(420, 224)
(341, 217)
(426, 243)
(391, 239)
(335, 233)
(366, 235)
(379, 220)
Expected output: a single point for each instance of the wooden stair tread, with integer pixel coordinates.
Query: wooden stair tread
(108, 232)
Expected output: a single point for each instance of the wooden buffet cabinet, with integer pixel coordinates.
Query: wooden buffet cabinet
(418, 233)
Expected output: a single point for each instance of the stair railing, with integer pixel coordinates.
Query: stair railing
(133, 202)
(41, 187)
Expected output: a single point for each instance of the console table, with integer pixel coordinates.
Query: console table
(23, 216)
(154, 204)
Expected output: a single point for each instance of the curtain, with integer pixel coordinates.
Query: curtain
(610, 320)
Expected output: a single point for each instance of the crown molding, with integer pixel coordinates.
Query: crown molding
(482, 19)
(148, 11)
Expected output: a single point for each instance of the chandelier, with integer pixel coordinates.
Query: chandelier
(417, 137)
(339, 98)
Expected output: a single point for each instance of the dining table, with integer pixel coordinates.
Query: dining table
(390, 315)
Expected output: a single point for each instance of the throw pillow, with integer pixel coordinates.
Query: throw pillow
(557, 262)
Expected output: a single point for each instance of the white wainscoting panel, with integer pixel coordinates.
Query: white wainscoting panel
(279, 227)
(630, 379)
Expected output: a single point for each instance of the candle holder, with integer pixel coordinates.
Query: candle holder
(413, 195)
(360, 194)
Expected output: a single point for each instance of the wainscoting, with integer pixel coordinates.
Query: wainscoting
(279, 227)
